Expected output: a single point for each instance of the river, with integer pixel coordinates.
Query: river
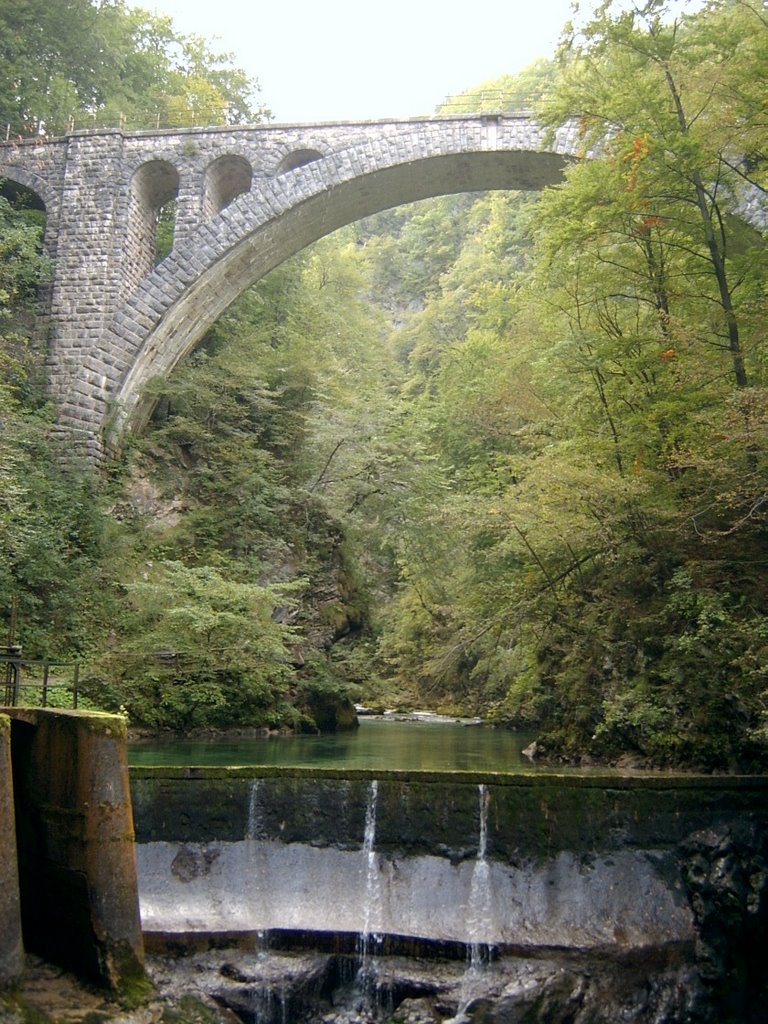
(426, 744)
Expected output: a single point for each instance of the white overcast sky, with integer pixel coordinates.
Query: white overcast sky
(335, 59)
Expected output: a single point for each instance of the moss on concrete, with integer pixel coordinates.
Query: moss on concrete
(529, 816)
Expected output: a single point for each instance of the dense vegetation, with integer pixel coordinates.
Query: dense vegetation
(500, 453)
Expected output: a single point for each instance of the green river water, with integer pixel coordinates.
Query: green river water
(426, 745)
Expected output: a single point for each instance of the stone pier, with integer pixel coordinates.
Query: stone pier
(75, 903)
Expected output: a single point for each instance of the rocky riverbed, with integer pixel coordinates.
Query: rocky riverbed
(266, 987)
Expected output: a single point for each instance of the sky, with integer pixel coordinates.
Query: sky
(334, 59)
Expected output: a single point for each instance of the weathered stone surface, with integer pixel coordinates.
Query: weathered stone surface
(11, 947)
(626, 901)
(77, 863)
(726, 877)
(637, 898)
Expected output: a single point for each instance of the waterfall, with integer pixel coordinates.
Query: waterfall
(269, 1003)
(480, 888)
(478, 914)
(482, 843)
(253, 825)
(370, 862)
(365, 982)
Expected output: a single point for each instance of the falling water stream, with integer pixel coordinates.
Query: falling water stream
(478, 913)
(365, 995)
(252, 828)
(370, 862)
(365, 985)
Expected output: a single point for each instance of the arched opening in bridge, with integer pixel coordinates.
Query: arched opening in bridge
(225, 179)
(298, 158)
(20, 196)
(152, 215)
(23, 278)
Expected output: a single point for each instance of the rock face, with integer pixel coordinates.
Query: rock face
(726, 877)
(330, 711)
(271, 987)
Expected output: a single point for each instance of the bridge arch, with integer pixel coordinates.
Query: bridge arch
(245, 199)
(174, 307)
(226, 178)
(154, 185)
(32, 183)
(298, 158)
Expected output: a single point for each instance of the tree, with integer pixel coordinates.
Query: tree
(657, 95)
(81, 62)
(199, 649)
(647, 289)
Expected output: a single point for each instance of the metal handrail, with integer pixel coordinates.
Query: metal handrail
(482, 101)
(14, 676)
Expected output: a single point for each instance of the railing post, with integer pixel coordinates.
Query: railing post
(45, 683)
(16, 682)
(75, 684)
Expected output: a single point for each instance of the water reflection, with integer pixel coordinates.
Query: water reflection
(377, 744)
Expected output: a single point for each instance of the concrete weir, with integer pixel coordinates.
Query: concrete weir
(524, 863)
(66, 821)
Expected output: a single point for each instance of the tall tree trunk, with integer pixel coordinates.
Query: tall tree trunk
(716, 251)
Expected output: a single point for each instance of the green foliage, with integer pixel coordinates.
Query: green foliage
(199, 649)
(50, 542)
(81, 62)
(597, 419)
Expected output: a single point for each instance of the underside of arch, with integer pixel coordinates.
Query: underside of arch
(16, 191)
(298, 158)
(260, 250)
(225, 179)
(14, 179)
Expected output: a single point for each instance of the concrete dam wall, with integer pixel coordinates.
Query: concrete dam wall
(524, 863)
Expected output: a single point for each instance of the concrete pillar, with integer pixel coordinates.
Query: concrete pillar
(77, 866)
(11, 947)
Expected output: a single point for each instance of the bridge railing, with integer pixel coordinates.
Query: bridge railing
(104, 121)
(482, 101)
(488, 101)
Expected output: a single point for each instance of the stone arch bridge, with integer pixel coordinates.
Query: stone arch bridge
(245, 200)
